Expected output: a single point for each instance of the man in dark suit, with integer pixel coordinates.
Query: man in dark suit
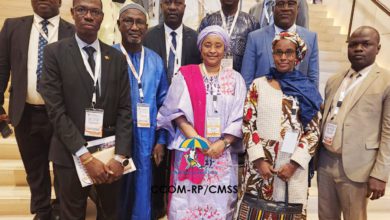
(176, 45)
(86, 88)
(159, 38)
(21, 45)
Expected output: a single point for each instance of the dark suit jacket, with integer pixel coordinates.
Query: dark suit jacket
(14, 42)
(155, 40)
(67, 89)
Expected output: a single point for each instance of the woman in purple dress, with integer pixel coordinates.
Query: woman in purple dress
(204, 101)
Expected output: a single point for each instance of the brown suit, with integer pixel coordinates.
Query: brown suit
(365, 146)
(32, 127)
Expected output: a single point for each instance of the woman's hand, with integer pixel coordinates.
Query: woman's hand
(287, 171)
(264, 168)
(215, 149)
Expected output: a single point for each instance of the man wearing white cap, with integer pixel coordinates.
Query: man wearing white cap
(148, 87)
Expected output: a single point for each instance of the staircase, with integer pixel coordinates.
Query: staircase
(14, 192)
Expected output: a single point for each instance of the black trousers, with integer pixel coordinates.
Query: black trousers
(161, 177)
(33, 134)
(73, 197)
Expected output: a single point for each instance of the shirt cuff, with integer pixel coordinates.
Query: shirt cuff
(255, 152)
(81, 151)
(302, 157)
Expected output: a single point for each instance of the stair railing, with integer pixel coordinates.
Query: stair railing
(378, 3)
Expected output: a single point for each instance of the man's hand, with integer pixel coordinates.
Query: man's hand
(4, 117)
(287, 171)
(375, 188)
(215, 149)
(95, 169)
(114, 170)
(264, 168)
(158, 153)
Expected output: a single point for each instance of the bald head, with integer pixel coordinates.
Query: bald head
(363, 46)
(373, 31)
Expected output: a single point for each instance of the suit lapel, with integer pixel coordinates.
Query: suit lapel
(186, 40)
(333, 90)
(81, 71)
(374, 73)
(270, 37)
(25, 32)
(105, 67)
(163, 46)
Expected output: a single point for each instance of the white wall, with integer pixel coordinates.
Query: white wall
(366, 13)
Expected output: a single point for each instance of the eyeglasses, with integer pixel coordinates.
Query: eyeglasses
(82, 11)
(131, 22)
(282, 4)
(279, 53)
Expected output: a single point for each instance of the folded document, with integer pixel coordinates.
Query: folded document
(102, 149)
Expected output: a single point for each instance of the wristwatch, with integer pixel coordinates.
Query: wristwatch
(123, 161)
(227, 144)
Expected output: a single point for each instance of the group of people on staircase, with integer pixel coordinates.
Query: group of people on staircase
(245, 86)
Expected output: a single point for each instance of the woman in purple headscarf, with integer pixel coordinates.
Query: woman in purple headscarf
(204, 101)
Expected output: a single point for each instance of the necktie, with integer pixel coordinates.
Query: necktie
(171, 59)
(90, 51)
(42, 42)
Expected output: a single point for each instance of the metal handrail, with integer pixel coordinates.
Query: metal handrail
(378, 3)
(382, 6)
(351, 19)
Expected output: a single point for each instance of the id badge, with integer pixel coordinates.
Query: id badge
(227, 62)
(94, 122)
(213, 127)
(329, 133)
(143, 115)
(290, 141)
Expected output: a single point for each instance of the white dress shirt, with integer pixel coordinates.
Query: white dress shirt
(179, 44)
(33, 97)
(98, 60)
(292, 29)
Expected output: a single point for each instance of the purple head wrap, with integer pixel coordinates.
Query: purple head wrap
(216, 30)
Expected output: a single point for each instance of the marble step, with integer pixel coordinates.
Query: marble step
(330, 46)
(329, 37)
(12, 173)
(14, 200)
(9, 149)
(333, 66)
(15, 204)
(6, 102)
(317, 7)
(332, 56)
(318, 14)
(326, 30)
(320, 21)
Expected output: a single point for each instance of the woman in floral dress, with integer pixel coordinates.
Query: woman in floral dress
(281, 128)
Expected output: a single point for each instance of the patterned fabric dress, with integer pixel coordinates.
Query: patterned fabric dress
(245, 24)
(216, 195)
(267, 118)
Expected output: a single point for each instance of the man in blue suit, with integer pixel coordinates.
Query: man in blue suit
(258, 53)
